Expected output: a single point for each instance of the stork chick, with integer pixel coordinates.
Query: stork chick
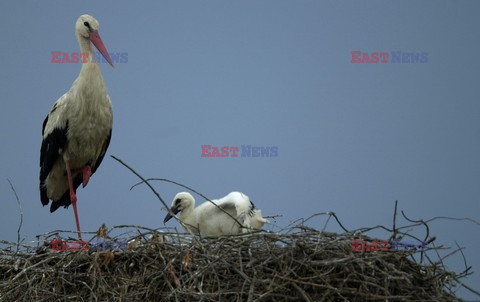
(210, 221)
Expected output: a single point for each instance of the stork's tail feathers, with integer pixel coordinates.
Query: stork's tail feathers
(43, 194)
(257, 221)
(64, 201)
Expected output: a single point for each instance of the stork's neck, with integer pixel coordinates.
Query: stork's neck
(90, 76)
(186, 214)
(87, 47)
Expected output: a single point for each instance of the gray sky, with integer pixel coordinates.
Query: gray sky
(351, 138)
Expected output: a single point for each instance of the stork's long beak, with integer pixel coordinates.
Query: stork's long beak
(97, 41)
(169, 216)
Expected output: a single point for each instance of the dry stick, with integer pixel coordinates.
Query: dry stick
(146, 182)
(188, 188)
(314, 215)
(21, 213)
(151, 188)
(338, 221)
(439, 258)
(467, 268)
(25, 269)
(326, 223)
(468, 287)
(394, 235)
(453, 218)
(57, 232)
(419, 221)
(452, 253)
(301, 291)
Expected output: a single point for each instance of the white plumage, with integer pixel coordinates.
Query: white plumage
(77, 131)
(210, 221)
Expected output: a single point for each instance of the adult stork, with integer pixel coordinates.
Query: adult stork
(232, 214)
(77, 131)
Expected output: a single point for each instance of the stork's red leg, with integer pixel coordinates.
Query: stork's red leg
(87, 172)
(73, 198)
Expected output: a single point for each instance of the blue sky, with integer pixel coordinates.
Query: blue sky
(352, 138)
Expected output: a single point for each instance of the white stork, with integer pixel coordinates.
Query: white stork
(210, 221)
(77, 131)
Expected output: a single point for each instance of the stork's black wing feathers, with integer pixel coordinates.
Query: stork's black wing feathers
(44, 124)
(252, 208)
(65, 200)
(49, 153)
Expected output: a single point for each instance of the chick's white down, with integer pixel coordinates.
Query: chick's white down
(210, 221)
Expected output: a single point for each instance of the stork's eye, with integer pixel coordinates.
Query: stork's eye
(86, 24)
(177, 201)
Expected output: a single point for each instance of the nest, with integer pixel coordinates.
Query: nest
(297, 264)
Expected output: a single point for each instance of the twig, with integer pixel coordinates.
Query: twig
(301, 291)
(394, 235)
(303, 220)
(468, 287)
(21, 213)
(419, 221)
(453, 218)
(146, 182)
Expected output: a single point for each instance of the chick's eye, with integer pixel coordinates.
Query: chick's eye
(86, 24)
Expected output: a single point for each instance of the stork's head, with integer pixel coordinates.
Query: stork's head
(87, 28)
(182, 201)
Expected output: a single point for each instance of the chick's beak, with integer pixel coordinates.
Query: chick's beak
(169, 216)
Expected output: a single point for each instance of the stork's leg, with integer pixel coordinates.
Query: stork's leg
(73, 198)
(87, 172)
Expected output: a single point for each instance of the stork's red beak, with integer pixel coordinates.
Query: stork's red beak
(97, 41)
